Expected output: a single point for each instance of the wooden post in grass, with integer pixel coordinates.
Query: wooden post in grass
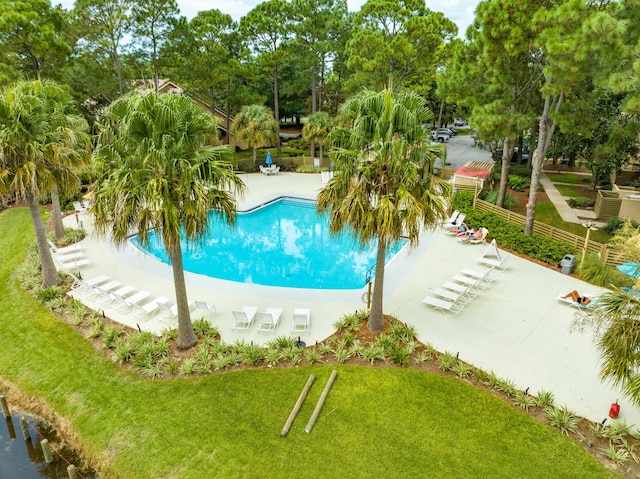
(298, 405)
(46, 450)
(25, 428)
(323, 397)
(71, 472)
(5, 407)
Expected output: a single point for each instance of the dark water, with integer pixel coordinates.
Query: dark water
(20, 459)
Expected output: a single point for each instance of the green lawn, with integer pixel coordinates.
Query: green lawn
(377, 422)
(546, 213)
(569, 178)
(569, 191)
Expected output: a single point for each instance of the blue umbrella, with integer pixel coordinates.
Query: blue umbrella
(268, 160)
(630, 268)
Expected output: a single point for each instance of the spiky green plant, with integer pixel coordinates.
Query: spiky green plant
(325, 348)
(447, 361)
(400, 356)
(562, 418)
(95, 328)
(150, 368)
(411, 346)
(618, 455)
(373, 352)
(282, 342)
(462, 369)
(110, 335)
(49, 294)
(272, 356)
(312, 356)
(402, 331)
(204, 328)
(252, 355)
(618, 430)
(123, 350)
(595, 271)
(293, 354)
(545, 399)
(356, 348)
(348, 338)
(171, 366)
(349, 322)
(523, 400)
(387, 342)
(342, 355)
(222, 361)
(170, 334)
(421, 357)
(189, 366)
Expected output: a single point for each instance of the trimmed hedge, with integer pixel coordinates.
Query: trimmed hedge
(510, 236)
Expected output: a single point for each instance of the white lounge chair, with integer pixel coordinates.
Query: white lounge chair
(574, 304)
(451, 219)
(450, 295)
(484, 276)
(301, 320)
(244, 318)
(478, 237)
(86, 287)
(66, 263)
(209, 309)
(451, 228)
(150, 308)
(74, 248)
(443, 305)
(493, 257)
(269, 320)
(79, 207)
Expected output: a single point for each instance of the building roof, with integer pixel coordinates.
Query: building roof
(475, 170)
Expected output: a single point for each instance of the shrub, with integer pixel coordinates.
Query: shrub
(509, 200)
(562, 418)
(615, 223)
(595, 271)
(519, 183)
(49, 294)
(581, 202)
(310, 169)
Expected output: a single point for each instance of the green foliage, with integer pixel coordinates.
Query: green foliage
(349, 322)
(615, 223)
(282, 342)
(562, 418)
(519, 183)
(524, 401)
(402, 331)
(509, 200)
(400, 356)
(49, 294)
(618, 455)
(312, 356)
(447, 361)
(510, 236)
(111, 335)
(298, 143)
(568, 178)
(462, 369)
(581, 202)
(373, 353)
(342, 355)
(507, 386)
(310, 169)
(252, 355)
(272, 357)
(204, 327)
(596, 272)
(545, 399)
(462, 201)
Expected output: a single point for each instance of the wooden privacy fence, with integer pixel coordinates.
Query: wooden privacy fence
(607, 255)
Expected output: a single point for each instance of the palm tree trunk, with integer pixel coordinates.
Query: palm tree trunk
(58, 227)
(376, 320)
(49, 274)
(276, 107)
(116, 64)
(313, 149)
(186, 336)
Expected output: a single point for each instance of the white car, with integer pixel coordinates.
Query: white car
(442, 137)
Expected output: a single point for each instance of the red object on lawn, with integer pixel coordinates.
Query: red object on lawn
(614, 410)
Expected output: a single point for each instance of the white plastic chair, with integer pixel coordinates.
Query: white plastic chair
(301, 320)
(244, 318)
(209, 309)
(269, 320)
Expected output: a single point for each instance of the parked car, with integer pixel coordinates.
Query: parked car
(448, 131)
(497, 156)
(459, 122)
(442, 137)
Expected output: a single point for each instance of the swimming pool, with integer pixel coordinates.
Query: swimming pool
(283, 243)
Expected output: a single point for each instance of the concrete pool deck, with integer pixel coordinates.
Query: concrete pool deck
(514, 327)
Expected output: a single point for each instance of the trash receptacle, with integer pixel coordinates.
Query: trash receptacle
(567, 263)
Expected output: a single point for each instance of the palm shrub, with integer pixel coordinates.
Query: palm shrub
(562, 418)
(595, 271)
(509, 200)
(447, 361)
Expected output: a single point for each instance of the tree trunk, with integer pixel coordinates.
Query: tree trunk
(186, 336)
(116, 64)
(321, 153)
(544, 138)
(276, 108)
(155, 65)
(507, 151)
(50, 276)
(313, 149)
(321, 88)
(227, 114)
(314, 87)
(57, 213)
(376, 320)
(254, 155)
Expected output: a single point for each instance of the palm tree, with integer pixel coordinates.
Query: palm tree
(615, 320)
(383, 188)
(255, 126)
(317, 130)
(156, 174)
(39, 139)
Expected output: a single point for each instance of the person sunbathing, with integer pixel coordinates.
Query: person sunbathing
(471, 234)
(576, 298)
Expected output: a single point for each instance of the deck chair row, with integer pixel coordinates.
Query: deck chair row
(269, 320)
(112, 293)
(453, 295)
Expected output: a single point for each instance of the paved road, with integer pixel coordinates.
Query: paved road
(460, 150)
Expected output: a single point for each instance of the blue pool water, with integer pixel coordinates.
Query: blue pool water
(285, 243)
